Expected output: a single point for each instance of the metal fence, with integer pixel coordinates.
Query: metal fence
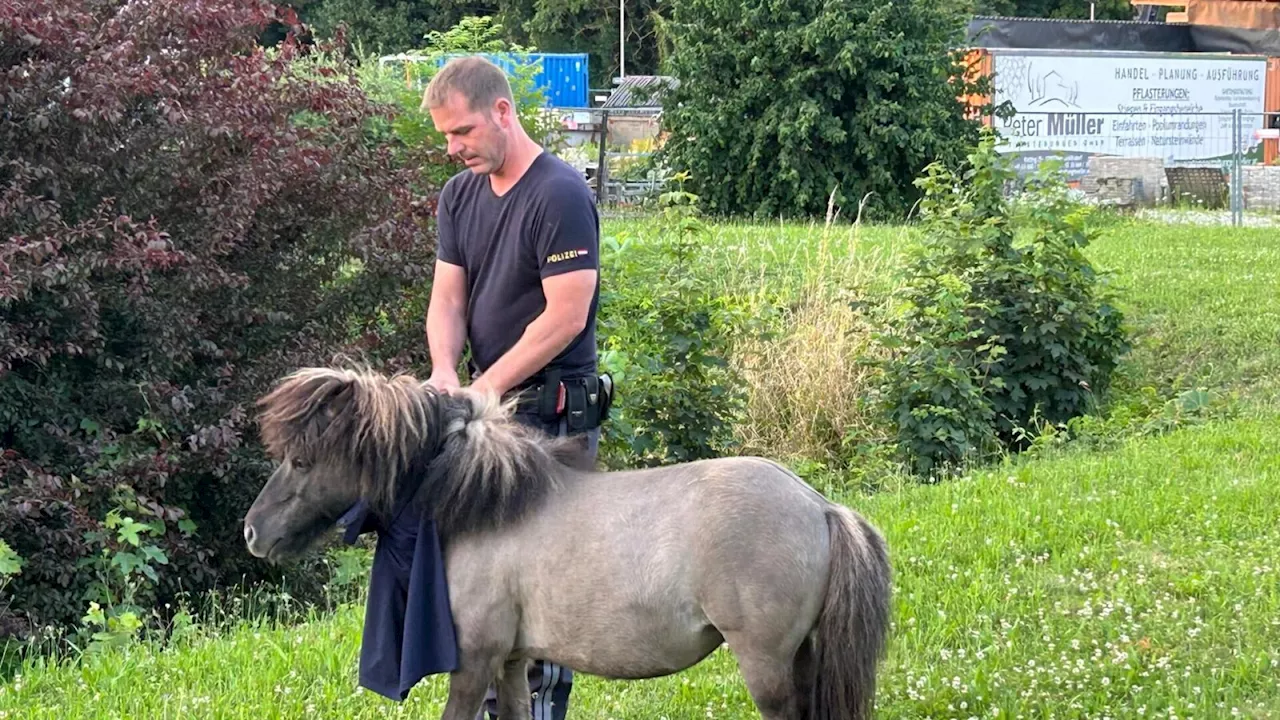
(1217, 163)
(1207, 167)
(617, 184)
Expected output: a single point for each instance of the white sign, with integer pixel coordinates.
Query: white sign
(1176, 107)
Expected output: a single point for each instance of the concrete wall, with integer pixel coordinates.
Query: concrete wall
(1118, 191)
(1141, 181)
(1261, 187)
(1149, 187)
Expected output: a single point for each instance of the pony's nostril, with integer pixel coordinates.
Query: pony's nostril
(248, 534)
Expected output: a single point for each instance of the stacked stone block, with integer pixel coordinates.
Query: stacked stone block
(1261, 185)
(1112, 191)
(1147, 174)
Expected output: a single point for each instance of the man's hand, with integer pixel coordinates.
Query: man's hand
(444, 381)
(482, 386)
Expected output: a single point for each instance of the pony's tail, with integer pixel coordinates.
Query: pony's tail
(854, 624)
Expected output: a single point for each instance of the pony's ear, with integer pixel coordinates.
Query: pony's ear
(302, 409)
(573, 451)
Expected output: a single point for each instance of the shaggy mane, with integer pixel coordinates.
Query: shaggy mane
(473, 466)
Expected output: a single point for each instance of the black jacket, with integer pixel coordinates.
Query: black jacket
(408, 624)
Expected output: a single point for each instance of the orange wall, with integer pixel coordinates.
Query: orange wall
(1271, 148)
(978, 63)
(1234, 13)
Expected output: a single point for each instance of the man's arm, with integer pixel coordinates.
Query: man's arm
(447, 324)
(569, 296)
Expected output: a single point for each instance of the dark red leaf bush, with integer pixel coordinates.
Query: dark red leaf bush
(185, 216)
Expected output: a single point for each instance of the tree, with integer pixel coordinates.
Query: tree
(184, 218)
(569, 26)
(385, 26)
(592, 28)
(1059, 9)
(783, 102)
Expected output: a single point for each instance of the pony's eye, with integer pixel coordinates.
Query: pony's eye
(300, 465)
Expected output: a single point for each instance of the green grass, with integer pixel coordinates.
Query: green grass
(1094, 584)
(779, 259)
(1203, 301)
(1136, 580)
(1078, 585)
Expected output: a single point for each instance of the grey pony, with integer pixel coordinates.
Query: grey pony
(640, 573)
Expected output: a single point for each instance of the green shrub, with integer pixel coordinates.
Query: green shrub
(666, 336)
(783, 103)
(1004, 323)
(184, 218)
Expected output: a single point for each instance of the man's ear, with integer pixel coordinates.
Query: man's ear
(505, 113)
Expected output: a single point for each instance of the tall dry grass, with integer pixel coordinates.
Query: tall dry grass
(807, 387)
(810, 387)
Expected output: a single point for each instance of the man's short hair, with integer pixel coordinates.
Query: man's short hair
(478, 79)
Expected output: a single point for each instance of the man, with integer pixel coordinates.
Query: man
(517, 277)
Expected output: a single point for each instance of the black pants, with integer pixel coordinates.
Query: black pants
(549, 684)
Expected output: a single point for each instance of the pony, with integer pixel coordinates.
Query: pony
(639, 573)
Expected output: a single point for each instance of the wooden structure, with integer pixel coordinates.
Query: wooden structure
(1249, 14)
(632, 111)
(1202, 187)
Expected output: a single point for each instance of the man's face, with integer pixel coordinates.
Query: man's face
(477, 137)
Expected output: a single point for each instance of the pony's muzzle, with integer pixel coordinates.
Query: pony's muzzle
(256, 548)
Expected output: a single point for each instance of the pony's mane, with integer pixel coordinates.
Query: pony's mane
(491, 469)
(473, 465)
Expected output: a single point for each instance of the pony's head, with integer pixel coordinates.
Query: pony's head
(340, 436)
(337, 436)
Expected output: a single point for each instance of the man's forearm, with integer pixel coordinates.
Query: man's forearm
(542, 340)
(446, 334)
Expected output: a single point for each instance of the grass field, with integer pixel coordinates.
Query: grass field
(1203, 302)
(1134, 578)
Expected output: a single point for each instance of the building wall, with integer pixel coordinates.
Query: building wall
(977, 65)
(623, 130)
(1234, 13)
(1271, 148)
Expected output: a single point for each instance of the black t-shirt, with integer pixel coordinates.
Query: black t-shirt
(547, 224)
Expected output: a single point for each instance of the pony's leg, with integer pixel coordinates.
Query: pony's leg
(803, 670)
(466, 691)
(770, 678)
(513, 691)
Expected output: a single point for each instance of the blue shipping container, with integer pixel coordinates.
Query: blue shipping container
(562, 76)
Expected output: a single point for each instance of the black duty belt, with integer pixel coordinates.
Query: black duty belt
(584, 401)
